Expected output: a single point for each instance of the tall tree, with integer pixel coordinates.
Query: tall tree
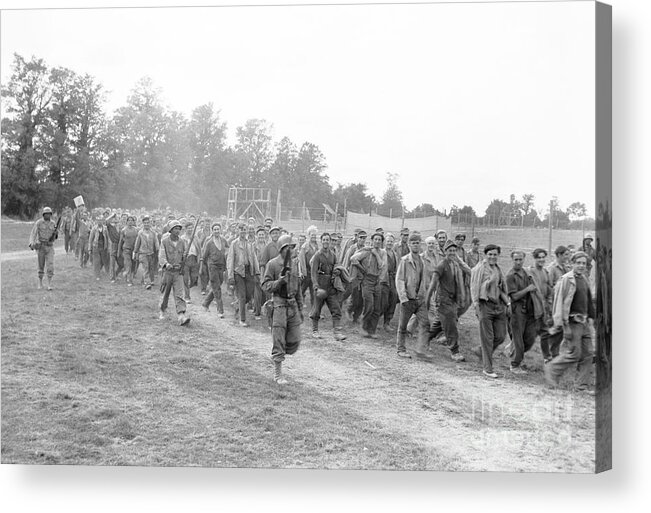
(210, 162)
(392, 202)
(355, 196)
(527, 203)
(144, 130)
(283, 171)
(425, 210)
(577, 210)
(311, 183)
(254, 153)
(496, 210)
(26, 98)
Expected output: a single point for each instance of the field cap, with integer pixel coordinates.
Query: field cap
(560, 250)
(580, 254)
(536, 252)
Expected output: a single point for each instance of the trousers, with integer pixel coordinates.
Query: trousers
(575, 351)
(492, 330)
(190, 274)
(525, 329)
(332, 301)
(216, 275)
(173, 282)
(244, 289)
(371, 292)
(285, 331)
(45, 261)
(148, 265)
(407, 309)
(100, 260)
(447, 321)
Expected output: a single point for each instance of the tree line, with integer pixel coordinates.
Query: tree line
(59, 142)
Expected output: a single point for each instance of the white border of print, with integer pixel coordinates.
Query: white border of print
(59, 488)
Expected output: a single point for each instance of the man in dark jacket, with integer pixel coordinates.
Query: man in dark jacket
(322, 268)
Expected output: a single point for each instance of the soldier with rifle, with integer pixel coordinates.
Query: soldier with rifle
(282, 282)
(41, 239)
(171, 256)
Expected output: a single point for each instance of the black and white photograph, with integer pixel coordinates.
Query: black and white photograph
(360, 237)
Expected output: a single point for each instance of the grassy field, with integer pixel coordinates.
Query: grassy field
(90, 376)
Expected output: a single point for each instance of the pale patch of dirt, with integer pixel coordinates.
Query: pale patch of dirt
(7, 256)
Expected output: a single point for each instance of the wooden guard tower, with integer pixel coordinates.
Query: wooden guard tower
(249, 202)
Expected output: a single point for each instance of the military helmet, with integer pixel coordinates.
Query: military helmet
(46, 210)
(285, 240)
(174, 223)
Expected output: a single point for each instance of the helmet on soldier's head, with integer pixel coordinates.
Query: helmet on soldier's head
(285, 240)
(46, 210)
(173, 224)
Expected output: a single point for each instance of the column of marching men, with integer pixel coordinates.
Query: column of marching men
(365, 280)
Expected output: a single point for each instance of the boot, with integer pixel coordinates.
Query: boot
(315, 329)
(183, 320)
(337, 331)
(402, 353)
(421, 349)
(40, 282)
(278, 373)
(49, 283)
(220, 308)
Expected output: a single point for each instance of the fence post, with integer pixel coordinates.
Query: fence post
(336, 217)
(551, 220)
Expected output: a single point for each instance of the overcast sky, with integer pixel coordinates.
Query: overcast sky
(466, 102)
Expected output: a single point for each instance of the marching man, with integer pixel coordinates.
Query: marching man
(44, 233)
(171, 259)
(282, 282)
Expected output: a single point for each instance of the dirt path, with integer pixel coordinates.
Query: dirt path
(7, 256)
(501, 425)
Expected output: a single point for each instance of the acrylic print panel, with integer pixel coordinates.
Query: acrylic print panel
(444, 119)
